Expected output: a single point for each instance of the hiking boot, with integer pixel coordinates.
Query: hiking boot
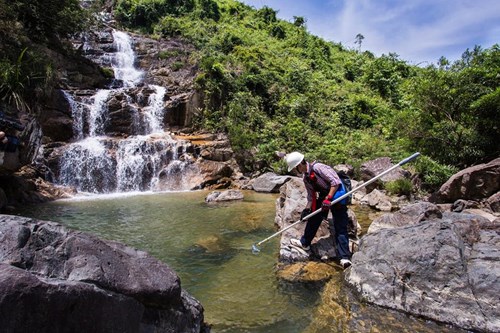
(298, 243)
(345, 263)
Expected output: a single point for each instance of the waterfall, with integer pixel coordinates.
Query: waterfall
(97, 114)
(98, 163)
(155, 109)
(124, 60)
(136, 159)
(88, 166)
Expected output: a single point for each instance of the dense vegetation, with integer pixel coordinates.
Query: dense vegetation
(27, 29)
(273, 86)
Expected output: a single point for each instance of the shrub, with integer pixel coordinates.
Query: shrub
(401, 186)
(144, 13)
(169, 27)
(167, 54)
(177, 65)
(108, 72)
(432, 173)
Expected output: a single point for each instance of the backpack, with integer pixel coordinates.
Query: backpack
(346, 181)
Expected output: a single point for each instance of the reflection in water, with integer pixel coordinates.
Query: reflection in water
(209, 246)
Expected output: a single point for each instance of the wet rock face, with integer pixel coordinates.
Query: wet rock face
(60, 278)
(56, 121)
(441, 267)
(164, 63)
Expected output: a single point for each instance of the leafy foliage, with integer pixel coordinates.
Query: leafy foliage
(27, 28)
(44, 20)
(433, 173)
(149, 12)
(453, 109)
(23, 80)
(401, 186)
(273, 86)
(13, 82)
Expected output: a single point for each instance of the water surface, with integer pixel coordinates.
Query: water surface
(209, 246)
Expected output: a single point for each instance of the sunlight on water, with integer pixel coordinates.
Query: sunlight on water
(210, 248)
(208, 245)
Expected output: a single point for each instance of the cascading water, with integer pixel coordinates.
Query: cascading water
(97, 113)
(124, 60)
(98, 163)
(154, 111)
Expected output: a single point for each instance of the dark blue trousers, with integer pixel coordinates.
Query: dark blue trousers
(340, 223)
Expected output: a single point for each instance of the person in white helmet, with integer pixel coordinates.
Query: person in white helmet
(323, 185)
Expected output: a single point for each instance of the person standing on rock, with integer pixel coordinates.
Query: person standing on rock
(323, 185)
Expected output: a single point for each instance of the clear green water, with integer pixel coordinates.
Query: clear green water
(209, 246)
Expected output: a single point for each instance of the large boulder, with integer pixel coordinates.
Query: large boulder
(378, 200)
(66, 281)
(406, 216)
(289, 205)
(229, 195)
(494, 202)
(269, 182)
(30, 303)
(375, 167)
(477, 182)
(443, 268)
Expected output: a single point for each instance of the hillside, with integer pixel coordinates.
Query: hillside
(271, 85)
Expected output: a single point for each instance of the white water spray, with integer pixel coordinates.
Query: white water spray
(77, 112)
(154, 112)
(97, 163)
(88, 166)
(97, 114)
(124, 64)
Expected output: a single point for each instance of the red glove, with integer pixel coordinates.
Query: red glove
(326, 204)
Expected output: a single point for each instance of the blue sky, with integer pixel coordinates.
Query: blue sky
(419, 31)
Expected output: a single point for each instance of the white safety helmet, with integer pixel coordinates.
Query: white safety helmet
(293, 159)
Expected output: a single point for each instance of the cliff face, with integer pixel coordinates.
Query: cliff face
(164, 63)
(67, 116)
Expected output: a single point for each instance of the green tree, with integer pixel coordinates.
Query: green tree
(359, 40)
(299, 21)
(267, 14)
(386, 74)
(50, 19)
(209, 9)
(145, 13)
(455, 109)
